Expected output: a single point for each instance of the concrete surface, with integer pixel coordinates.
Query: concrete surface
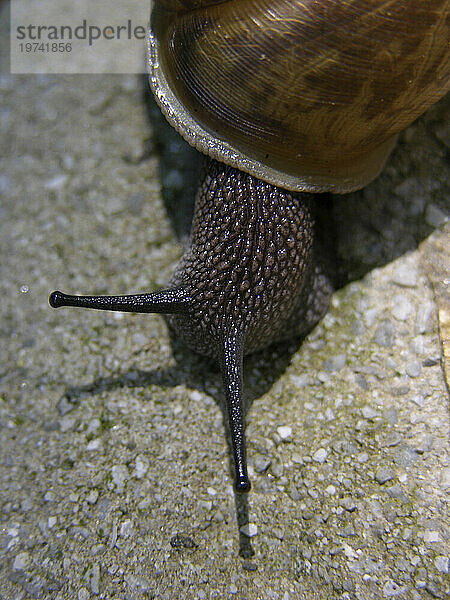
(114, 465)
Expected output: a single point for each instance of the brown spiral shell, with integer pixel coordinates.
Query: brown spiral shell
(305, 94)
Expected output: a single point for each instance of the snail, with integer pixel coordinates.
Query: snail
(286, 98)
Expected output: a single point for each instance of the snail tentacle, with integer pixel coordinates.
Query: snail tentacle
(231, 354)
(171, 301)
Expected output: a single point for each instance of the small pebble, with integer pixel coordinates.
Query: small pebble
(441, 563)
(395, 491)
(205, 505)
(92, 497)
(300, 381)
(249, 530)
(181, 540)
(406, 534)
(277, 467)
(307, 553)
(384, 474)
(405, 456)
(52, 522)
(335, 363)
(50, 496)
(56, 182)
(392, 589)
(429, 537)
(67, 423)
(405, 276)
(391, 415)
(26, 505)
(393, 438)
(98, 549)
(323, 376)
(196, 396)
(119, 475)
(320, 456)
(261, 463)
(93, 427)
(139, 339)
(400, 390)
(370, 316)
(431, 361)
(83, 594)
(401, 308)
(307, 514)
(285, 432)
(434, 216)
(21, 561)
(94, 445)
(139, 584)
(362, 457)
(126, 529)
(417, 346)
(330, 415)
(419, 400)
(348, 504)
(113, 536)
(348, 531)
(423, 318)
(369, 413)
(385, 334)
(407, 188)
(424, 444)
(65, 405)
(413, 368)
(95, 579)
(141, 467)
(433, 589)
(445, 477)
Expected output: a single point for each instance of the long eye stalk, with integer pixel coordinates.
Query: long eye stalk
(231, 365)
(166, 301)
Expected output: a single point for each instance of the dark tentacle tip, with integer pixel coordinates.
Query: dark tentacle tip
(56, 299)
(243, 485)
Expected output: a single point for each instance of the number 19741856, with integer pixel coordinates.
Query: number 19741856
(45, 47)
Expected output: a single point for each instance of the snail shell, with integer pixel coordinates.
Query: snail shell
(306, 95)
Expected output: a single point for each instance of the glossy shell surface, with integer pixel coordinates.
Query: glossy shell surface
(308, 95)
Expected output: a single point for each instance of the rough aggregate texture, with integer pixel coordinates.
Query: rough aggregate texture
(115, 477)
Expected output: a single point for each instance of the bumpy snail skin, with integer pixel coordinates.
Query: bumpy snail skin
(250, 277)
(250, 255)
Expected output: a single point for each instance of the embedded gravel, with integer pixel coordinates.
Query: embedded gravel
(115, 473)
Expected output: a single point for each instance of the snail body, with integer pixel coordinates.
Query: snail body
(286, 98)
